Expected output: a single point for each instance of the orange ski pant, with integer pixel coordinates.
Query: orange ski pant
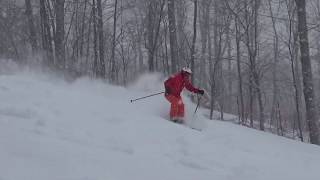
(177, 106)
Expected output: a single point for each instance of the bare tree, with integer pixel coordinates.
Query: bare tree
(311, 110)
(182, 13)
(240, 83)
(32, 29)
(153, 29)
(194, 38)
(46, 35)
(113, 51)
(95, 38)
(204, 16)
(275, 100)
(60, 34)
(102, 66)
(173, 35)
(293, 53)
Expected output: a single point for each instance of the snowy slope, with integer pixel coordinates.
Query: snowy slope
(87, 130)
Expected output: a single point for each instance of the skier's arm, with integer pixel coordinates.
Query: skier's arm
(190, 87)
(167, 85)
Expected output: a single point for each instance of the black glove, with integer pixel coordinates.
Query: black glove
(167, 92)
(201, 92)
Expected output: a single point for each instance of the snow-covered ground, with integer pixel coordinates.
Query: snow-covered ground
(88, 130)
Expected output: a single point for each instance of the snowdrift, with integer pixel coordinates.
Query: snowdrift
(88, 130)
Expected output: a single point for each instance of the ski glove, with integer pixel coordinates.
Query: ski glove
(201, 92)
(167, 92)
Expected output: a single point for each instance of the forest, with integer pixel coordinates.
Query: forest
(256, 59)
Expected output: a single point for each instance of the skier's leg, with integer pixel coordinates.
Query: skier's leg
(174, 110)
(181, 110)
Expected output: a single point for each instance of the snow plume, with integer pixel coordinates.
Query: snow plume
(30, 65)
(148, 82)
(8, 66)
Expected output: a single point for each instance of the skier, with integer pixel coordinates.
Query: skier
(173, 87)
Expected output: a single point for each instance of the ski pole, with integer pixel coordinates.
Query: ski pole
(198, 104)
(192, 125)
(146, 97)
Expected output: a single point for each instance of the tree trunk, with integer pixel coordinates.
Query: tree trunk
(252, 47)
(150, 31)
(173, 36)
(32, 29)
(230, 82)
(82, 29)
(260, 102)
(311, 110)
(102, 66)
(113, 52)
(194, 38)
(297, 96)
(153, 30)
(251, 100)
(275, 100)
(293, 52)
(238, 39)
(256, 75)
(46, 35)
(204, 28)
(181, 25)
(59, 35)
(95, 39)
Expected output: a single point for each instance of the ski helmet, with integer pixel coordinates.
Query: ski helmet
(187, 70)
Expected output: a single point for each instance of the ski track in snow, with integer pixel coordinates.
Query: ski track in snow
(88, 130)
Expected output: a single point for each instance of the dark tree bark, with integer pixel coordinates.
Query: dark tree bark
(59, 34)
(204, 30)
(82, 36)
(32, 29)
(311, 110)
(293, 52)
(230, 80)
(217, 77)
(95, 38)
(275, 100)
(173, 36)
(46, 35)
(182, 18)
(101, 68)
(153, 29)
(194, 38)
(113, 51)
(150, 31)
(251, 33)
(240, 83)
(256, 76)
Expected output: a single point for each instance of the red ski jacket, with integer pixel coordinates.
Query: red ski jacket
(176, 83)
